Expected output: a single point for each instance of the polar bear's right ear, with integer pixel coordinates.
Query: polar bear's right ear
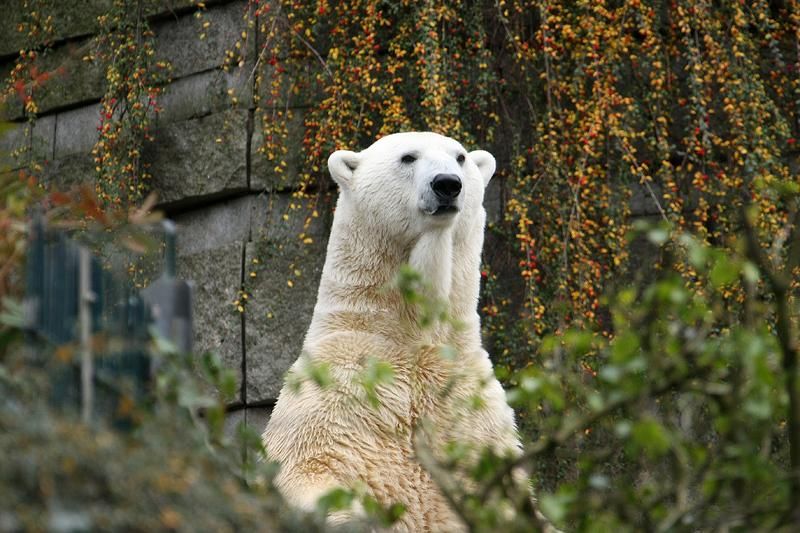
(342, 165)
(485, 163)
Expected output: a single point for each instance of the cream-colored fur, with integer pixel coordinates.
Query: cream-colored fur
(327, 437)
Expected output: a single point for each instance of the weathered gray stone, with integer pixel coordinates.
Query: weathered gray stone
(69, 171)
(172, 8)
(216, 275)
(70, 18)
(43, 139)
(264, 174)
(255, 418)
(205, 93)
(232, 421)
(22, 146)
(299, 92)
(644, 257)
(76, 131)
(73, 80)
(13, 147)
(199, 157)
(282, 292)
(215, 226)
(11, 107)
(178, 41)
(642, 202)
(493, 200)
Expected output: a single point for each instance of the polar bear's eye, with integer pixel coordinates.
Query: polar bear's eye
(461, 158)
(408, 159)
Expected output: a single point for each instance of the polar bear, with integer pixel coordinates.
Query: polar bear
(410, 198)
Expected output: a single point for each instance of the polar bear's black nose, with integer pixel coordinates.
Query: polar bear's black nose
(446, 186)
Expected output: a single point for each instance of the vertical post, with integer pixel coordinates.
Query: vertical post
(169, 240)
(85, 298)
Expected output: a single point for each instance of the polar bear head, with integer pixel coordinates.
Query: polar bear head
(411, 182)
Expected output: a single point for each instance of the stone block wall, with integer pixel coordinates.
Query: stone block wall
(233, 234)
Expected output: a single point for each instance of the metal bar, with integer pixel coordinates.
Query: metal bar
(85, 319)
(169, 256)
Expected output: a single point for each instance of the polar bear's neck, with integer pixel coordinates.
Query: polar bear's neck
(362, 261)
(432, 257)
(359, 264)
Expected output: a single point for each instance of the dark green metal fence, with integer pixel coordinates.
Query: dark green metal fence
(93, 328)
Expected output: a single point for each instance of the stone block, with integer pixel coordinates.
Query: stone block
(20, 146)
(70, 171)
(216, 276)
(43, 139)
(232, 421)
(296, 93)
(71, 18)
(199, 157)
(644, 256)
(282, 278)
(11, 107)
(201, 94)
(178, 40)
(264, 175)
(255, 418)
(76, 131)
(493, 200)
(172, 8)
(214, 226)
(642, 201)
(13, 147)
(73, 80)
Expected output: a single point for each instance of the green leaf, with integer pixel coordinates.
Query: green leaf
(556, 506)
(599, 482)
(750, 272)
(651, 437)
(624, 347)
(335, 500)
(319, 372)
(376, 373)
(595, 401)
(578, 342)
(13, 314)
(623, 428)
(724, 272)
(658, 236)
(610, 374)
(759, 408)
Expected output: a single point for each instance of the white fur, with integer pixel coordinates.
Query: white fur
(329, 437)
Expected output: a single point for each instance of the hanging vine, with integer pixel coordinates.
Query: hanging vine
(583, 104)
(134, 80)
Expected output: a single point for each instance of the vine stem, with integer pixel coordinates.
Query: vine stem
(779, 284)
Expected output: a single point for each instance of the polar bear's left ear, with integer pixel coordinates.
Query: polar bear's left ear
(485, 163)
(342, 165)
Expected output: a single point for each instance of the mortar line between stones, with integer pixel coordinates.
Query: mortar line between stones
(251, 108)
(248, 170)
(242, 329)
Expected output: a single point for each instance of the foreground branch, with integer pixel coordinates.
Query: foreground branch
(779, 284)
(550, 442)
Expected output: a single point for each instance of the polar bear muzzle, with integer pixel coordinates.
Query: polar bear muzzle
(446, 188)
